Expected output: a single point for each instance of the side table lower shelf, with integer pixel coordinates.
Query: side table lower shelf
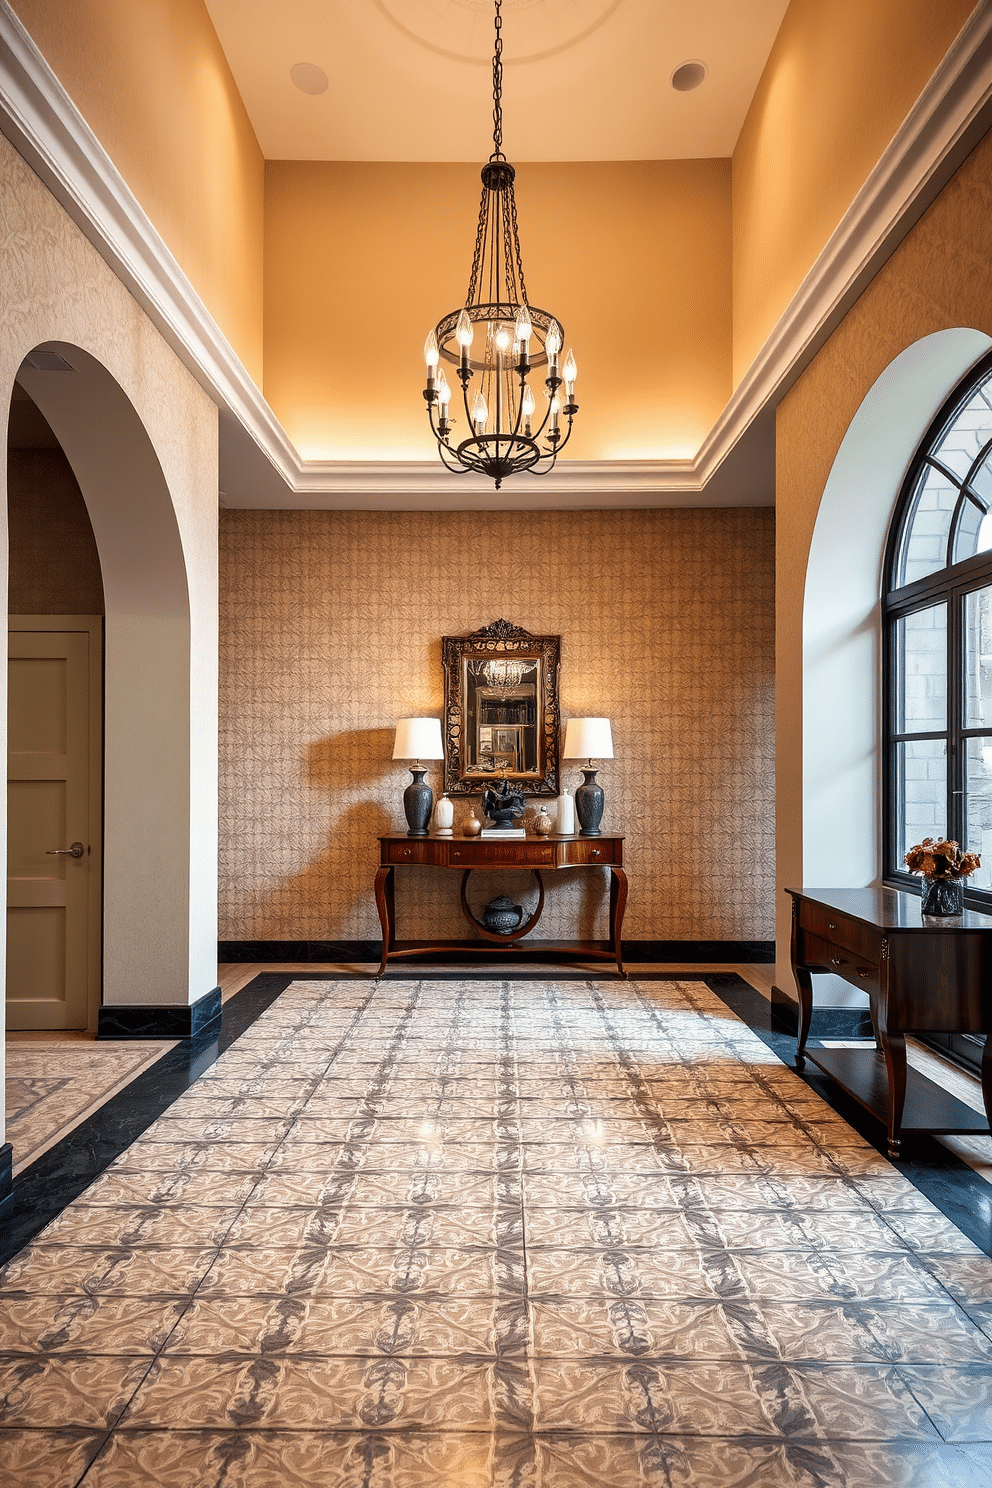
(929, 1108)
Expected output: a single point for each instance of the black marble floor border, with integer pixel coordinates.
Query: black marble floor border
(950, 1184)
(42, 1190)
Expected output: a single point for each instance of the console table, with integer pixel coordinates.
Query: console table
(466, 854)
(932, 976)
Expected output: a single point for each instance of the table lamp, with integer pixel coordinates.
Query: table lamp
(418, 739)
(588, 739)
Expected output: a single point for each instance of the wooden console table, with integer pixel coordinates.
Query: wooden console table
(932, 976)
(535, 854)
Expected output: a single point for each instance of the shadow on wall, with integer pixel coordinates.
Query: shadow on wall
(355, 757)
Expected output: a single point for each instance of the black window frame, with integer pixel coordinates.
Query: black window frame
(950, 584)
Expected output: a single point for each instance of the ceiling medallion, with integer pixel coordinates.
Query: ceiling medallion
(509, 432)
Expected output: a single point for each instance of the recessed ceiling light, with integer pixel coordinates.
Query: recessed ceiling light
(688, 76)
(308, 77)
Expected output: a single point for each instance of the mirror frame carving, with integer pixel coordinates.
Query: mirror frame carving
(496, 640)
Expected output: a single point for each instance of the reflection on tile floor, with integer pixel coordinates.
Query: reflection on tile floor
(539, 1234)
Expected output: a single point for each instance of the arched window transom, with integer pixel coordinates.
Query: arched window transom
(938, 609)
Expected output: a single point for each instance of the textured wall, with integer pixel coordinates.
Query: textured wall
(331, 628)
(54, 565)
(938, 278)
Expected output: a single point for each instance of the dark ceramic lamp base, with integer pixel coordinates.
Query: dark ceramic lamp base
(589, 802)
(418, 803)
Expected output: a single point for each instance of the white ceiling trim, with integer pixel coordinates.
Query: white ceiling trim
(44, 125)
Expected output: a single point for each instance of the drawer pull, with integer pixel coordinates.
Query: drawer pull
(406, 852)
(836, 961)
(831, 925)
(456, 854)
(864, 972)
(595, 852)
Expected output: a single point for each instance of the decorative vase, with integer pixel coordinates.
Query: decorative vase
(418, 800)
(502, 915)
(444, 816)
(543, 824)
(942, 896)
(589, 800)
(565, 815)
(471, 826)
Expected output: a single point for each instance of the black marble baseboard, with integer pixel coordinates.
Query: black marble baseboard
(827, 1023)
(717, 952)
(6, 1180)
(160, 1022)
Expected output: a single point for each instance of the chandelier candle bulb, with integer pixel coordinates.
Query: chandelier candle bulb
(569, 372)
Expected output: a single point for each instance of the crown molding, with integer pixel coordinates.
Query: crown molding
(942, 127)
(46, 128)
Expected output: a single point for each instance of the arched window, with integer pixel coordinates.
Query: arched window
(938, 614)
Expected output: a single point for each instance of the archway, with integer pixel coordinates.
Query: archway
(147, 675)
(841, 699)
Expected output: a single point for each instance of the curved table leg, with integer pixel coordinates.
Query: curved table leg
(804, 983)
(618, 903)
(894, 1051)
(987, 1077)
(385, 904)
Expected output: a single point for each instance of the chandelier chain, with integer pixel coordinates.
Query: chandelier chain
(498, 88)
(516, 244)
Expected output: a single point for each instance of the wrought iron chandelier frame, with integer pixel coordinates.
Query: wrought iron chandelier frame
(497, 302)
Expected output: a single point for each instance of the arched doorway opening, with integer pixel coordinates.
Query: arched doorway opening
(54, 736)
(148, 781)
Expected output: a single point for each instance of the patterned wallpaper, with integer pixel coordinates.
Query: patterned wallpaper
(54, 565)
(331, 626)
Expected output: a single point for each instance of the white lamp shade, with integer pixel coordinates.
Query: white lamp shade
(418, 739)
(588, 738)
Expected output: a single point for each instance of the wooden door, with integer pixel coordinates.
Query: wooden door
(51, 822)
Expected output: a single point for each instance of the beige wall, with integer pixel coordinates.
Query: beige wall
(361, 260)
(152, 82)
(331, 626)
(54, 564)
(840, 79)
(938, 278)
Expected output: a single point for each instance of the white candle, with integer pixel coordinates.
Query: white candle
(565, 815)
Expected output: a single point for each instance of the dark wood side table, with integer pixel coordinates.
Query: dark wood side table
(537, 854)
(932, 976)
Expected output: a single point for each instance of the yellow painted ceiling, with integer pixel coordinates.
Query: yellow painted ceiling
(408, 80)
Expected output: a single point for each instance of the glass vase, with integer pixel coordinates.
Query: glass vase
(943, 896)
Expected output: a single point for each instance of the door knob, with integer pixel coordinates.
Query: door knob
(75, 851)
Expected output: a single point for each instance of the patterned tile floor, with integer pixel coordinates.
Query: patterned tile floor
(535, 1234)
(53, 1083)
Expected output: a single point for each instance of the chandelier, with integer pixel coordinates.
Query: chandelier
(504, 677)
(509, 433)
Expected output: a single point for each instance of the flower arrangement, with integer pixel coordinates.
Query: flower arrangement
(941, 860)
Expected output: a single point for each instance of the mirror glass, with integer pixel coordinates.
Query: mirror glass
(501, 713)
(500, 724)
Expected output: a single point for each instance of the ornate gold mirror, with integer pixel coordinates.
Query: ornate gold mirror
(501, 714)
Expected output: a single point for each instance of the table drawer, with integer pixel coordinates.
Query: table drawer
(524, 852)
(590, 850)
(413, 850)
(843, 963)
(839, 930)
